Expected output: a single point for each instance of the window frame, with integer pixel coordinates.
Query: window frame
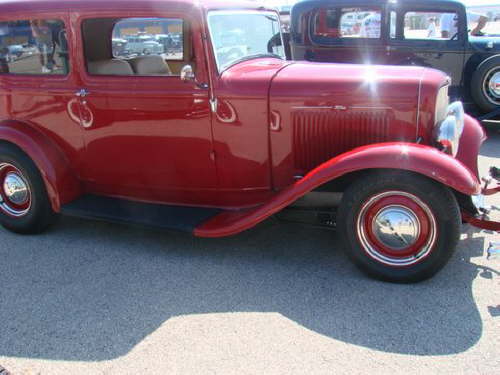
(196, 53)
(211, 47)
(445, 44)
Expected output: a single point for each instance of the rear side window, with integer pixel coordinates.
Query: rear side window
(342, 23)
(36, 46)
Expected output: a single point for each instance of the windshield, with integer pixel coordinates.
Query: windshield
(241, 35)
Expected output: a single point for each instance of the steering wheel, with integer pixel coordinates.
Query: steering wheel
(275, 41)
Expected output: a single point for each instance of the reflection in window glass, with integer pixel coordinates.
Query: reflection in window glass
(346, 23)
(134, 37)
(326, 23)
(430, 25)
(37, 46)
(360, 23)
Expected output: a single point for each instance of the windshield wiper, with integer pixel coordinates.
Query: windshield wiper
(250, 57)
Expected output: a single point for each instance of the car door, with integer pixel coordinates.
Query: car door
(420, 39)
(147, 133)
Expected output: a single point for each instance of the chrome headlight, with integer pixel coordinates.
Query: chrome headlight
(449, 131)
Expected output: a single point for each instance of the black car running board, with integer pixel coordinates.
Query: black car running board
(179, 218)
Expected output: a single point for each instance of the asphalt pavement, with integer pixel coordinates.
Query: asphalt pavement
(98, 298)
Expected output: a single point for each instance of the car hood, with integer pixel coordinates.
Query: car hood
(349, 88)
(322, 110)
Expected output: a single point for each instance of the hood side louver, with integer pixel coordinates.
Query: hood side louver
(320, 135)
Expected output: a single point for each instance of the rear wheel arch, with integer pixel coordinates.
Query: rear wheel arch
(60, 182)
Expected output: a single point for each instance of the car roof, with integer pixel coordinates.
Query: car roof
(306, 6)
(310, 4)
(96, 5)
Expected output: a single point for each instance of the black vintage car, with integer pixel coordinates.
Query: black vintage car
(431, 33)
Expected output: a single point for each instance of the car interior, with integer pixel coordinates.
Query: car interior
(101, 59)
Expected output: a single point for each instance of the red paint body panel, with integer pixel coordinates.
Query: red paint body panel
(241, 124)
(158, 139)
(416, 158)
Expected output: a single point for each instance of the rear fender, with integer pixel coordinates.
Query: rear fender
(61, 184)
(421, 159)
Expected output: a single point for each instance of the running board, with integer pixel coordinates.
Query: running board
(179, 218)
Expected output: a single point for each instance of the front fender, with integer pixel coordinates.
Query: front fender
(472, 138)
(416, 158)
(61, 184)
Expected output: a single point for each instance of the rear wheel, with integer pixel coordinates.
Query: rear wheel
(399, 227)
(485, 85)
(24, 204)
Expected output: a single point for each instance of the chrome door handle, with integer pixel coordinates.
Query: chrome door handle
(82, 93)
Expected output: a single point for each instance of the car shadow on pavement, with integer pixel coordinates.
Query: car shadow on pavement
(90, 291)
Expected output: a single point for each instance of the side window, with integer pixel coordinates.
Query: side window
(430, 25)
(36, 46)
(135, 46)
(341, 23)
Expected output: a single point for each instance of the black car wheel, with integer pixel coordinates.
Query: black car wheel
(399, 227)
(24, 204)
(485, 85)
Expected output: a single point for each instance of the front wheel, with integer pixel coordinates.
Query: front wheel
(398, 226)
(485, 85)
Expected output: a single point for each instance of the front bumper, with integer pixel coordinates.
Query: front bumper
(482, 217)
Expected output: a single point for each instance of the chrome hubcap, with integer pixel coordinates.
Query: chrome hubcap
(495, 85)
(15, 189)
(396, 227)
(15, 194)
(491, 86)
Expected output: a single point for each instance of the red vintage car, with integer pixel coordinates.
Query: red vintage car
(224, 133)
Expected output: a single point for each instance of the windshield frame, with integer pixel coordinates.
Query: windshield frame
(221, 69)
